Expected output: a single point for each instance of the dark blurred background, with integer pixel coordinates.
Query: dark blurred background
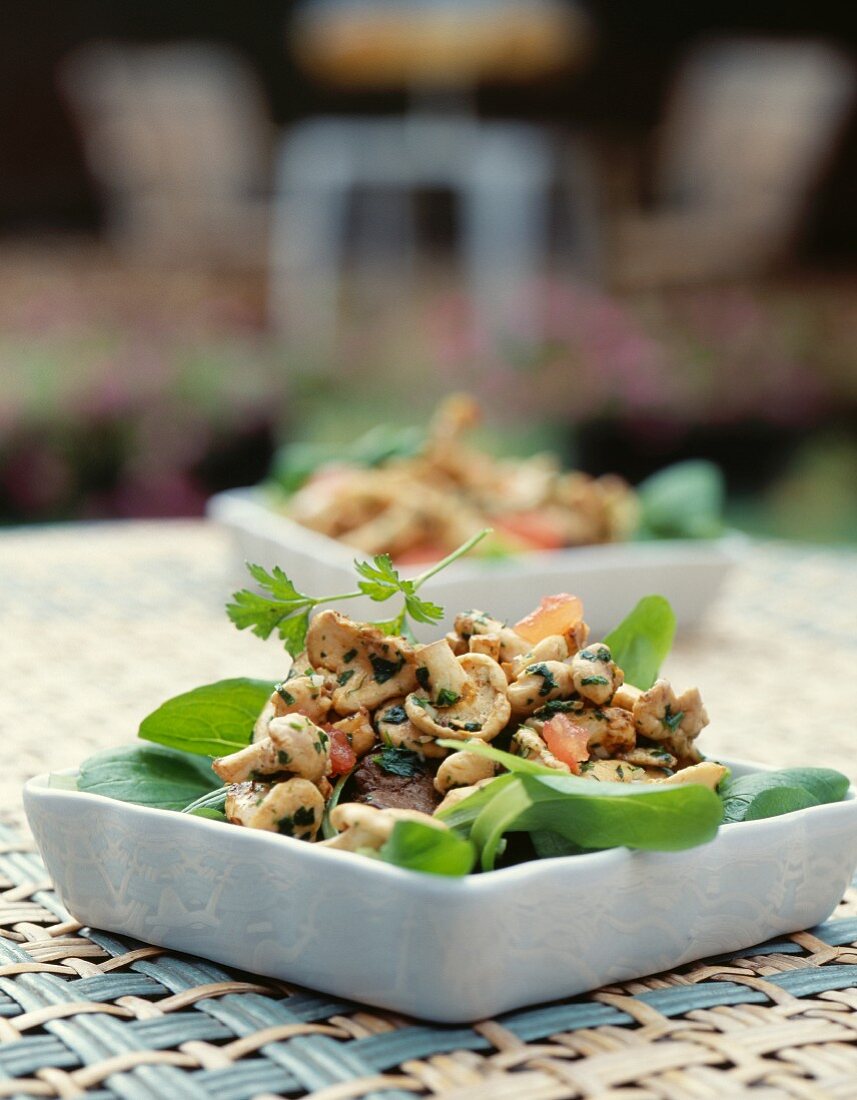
(629, 228)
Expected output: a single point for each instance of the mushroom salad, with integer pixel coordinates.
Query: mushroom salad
(417, 494)
(488, 746)
(378, 713)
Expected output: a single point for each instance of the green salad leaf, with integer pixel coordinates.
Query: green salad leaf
(535, 799)
(643, 640)
(295, 463)
(421, 847)
(770, 794)
(213, 720)
(613, 815)
(682, 501)
(148, 775)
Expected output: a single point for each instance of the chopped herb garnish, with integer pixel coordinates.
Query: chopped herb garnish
(446, 698)
(395, 716)
(398, 761)
(423, 678)
(286, 696)
(594, 680)
(549, 684)
(385, 670)
(599, 654)
(558, 706)
(286, 826)
(343, 678)
(283, 757)
(349, 656)
(420, 702)
(281, 607)
(304, 815)
(672, 721)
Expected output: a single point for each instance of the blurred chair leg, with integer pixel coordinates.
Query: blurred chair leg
(583, 205)
(311, 193)
(505, 190)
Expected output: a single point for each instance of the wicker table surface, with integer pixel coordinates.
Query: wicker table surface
(104, 622)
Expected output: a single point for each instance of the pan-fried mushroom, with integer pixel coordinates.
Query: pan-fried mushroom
(539, 683)
(611, 730)
(470, 625)
(370, 667)
(294, 745)
(293, 808)
(395, 728)
(707, 773)
(361, 826)
(596, 676)
(462, 769)
(481, 708)
(673, 721)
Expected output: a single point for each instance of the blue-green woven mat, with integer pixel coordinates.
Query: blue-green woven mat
(86, 1013)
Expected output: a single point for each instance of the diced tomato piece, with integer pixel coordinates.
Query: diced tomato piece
(537, 530)
(567, 741)
(555, 615)
(342, 756)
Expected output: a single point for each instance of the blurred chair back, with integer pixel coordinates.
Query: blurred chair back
(179, 141)
(752, 121)
(750, 127)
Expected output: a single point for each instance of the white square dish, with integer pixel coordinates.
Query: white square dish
(450, 950)
(608, 578)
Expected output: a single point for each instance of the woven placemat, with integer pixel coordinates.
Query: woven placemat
(86, 1013)
(102, 623)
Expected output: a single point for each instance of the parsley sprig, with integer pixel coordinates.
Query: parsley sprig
(286, 610)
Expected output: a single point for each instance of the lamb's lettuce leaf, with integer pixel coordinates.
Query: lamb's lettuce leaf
(643, 640)
(682, 501)
(213, 720)
(148, 775)
(770, 794)
(421, 847)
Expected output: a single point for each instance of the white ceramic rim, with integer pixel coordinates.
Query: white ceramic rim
(39, 787)
(247, 509)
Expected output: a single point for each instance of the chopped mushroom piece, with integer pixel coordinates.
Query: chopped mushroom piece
(472, 624)
(480, 710)
(361, 826)
(439, 673)
(673, 721)
(612, 771)
(552, 648)
(458, 794)
(596, 676)
(707, 773)
(293, 808)
(370, 667)
(648, 757)
(306, 694)
(462, 769)
(294, 744)
(395, 728)
(359, 730)
(611, 730)
(489, 644)
(539, 683)
(625, 696)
